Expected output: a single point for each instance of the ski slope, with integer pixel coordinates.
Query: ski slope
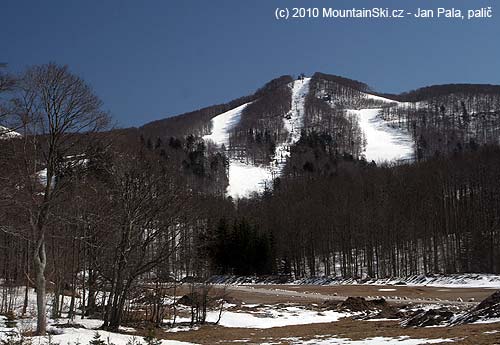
(246, 178)
(223, 124)
(383, 143)
(293, 123)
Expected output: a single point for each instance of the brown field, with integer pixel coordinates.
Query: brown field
(344, 328)
(313, 293)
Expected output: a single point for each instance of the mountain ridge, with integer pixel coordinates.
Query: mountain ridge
(415, 95)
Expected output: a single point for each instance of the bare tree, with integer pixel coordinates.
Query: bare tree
(148, 207)
(58, 112)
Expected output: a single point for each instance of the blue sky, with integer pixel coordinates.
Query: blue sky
(152, 59)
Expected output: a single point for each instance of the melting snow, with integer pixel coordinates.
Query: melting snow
(383, 143)
(222, 125)
(293, 123)
(269, 317)
(379, 98)
(246, 178)
(374, 341)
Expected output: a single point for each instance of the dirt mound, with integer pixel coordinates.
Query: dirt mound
(377, 308)
(357, 304)
(489, 308)
(425, 318)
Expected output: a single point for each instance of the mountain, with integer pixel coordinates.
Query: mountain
(269, 133)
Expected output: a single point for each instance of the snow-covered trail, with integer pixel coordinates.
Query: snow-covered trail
(383, 143)
(293, 123)
(223, 124)
(243, 178)
(246, 178)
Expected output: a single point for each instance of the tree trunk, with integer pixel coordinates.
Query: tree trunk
(41, 302)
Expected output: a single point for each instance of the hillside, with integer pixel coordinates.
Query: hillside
(259, 133)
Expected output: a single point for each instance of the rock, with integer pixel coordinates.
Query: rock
(432, 317)
(489, 308)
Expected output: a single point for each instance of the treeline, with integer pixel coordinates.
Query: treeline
(342, 93)
(434, 91)
(198, 122)
(354, 219)
(194, 122)
(451, 118)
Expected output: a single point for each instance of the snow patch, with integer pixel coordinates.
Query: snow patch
(6, 133)
(223, 124)
(293, 123)
(379, 98)
(247, 178)
(269, 317)
(382, 142)
(403, 340)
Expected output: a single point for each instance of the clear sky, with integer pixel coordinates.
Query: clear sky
(152, 59)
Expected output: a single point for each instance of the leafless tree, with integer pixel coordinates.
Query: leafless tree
(58, 113)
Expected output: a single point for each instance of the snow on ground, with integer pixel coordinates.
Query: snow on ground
(470, 280)
(6, 133)
(272, 316)
(491, 320)
(246, 178)
(466, 280)
(403, 340)
(379, 98)
(72, 336)
(83, 336)
(383, 143)
(293, 123)
(223, 124)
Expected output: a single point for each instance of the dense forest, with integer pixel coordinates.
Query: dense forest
(107, 211)
(342, 217)
(448, 118)
(260, 128)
